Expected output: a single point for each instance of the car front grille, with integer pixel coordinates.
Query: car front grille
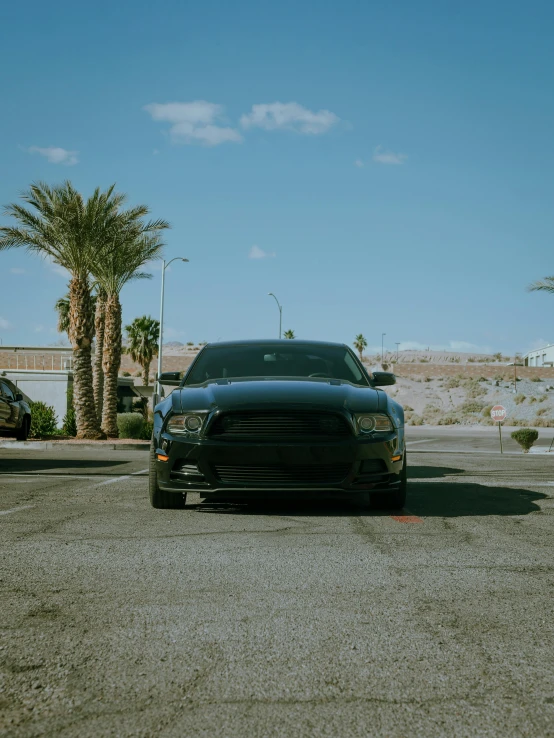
(274, 475)
(279, 425)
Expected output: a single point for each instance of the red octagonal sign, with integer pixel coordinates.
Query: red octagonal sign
(498, 413)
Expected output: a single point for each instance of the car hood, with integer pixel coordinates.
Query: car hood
(231, 395)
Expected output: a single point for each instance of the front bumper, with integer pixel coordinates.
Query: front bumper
(212, 466)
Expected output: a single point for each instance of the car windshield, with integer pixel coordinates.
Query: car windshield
(272, 361)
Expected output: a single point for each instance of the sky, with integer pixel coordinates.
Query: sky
(380, 167)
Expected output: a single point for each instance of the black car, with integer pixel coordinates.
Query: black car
(15, 413)
(288, 416)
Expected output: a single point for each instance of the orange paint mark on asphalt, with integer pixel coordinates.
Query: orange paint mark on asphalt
(406, 517)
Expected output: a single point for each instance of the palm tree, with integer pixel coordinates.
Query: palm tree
(98, 375)
(60, 225)
(143, 335)
(135, 243)
(542, 285)
(62, 308)
(360, 344)
(289, 334)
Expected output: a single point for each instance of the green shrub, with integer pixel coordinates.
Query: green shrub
(533, 399)
(543, 423)
(125, 374)
(415, 420)
(486, 411)
(69, 423)
(130, 425)
(452, 383)
(526, 437)
(542, 398)
(147, 430)
(518, 399)
(470, 406)
(536, 379)
(448, 420)
(542, 410)
(408, 409)
(43, 420)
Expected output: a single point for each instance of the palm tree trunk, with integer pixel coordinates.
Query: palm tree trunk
(146, 373)
(98, 380)
(80, 335)
(111, 363)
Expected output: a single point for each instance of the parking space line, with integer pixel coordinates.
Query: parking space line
(16, 509)
(406, 516)
(423, 440)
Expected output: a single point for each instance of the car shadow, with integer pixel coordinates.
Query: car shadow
(441, 499)
(28, 466)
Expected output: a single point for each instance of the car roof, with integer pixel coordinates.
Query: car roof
(286, 342)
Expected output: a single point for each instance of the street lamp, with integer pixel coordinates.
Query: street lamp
(158, 384)
(280, 312)
(382, 347)
(397, 345)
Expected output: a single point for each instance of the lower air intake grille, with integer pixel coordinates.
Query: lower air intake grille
(275, 475)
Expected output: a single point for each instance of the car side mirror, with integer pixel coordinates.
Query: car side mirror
(383, 379)
(173, 379)
(18, 397)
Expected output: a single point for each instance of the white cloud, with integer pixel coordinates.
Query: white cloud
(257, 253)
(359, 163)
(5, 324)
(194, 122)
(17, 270)
(289, 116)
(384, 156)
(56, 155)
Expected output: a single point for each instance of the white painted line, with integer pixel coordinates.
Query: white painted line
(142, 471)
(423, 440)
(52, 476)
(113, 481)
(16, 509)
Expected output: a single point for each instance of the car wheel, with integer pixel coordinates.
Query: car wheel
(23, 433)
(393, 500)
(158, 498)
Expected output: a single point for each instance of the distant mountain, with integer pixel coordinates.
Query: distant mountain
(174, 344)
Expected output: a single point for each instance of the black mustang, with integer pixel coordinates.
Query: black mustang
(280, 416)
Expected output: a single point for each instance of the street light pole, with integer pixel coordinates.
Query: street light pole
(280, 312)
(383, 347)
(397, 345)
(158, 391)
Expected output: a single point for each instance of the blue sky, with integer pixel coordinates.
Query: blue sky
(390, 164)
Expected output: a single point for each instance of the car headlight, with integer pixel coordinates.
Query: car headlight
(181, 425)
(373, 423)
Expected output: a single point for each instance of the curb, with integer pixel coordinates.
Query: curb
(49, 445)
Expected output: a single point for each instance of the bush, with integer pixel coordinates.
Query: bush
(408, 409)
(518, 399)
(543, 423)
(526, 437)
(536, 379)
(542, 410)
(470, 407)
(147, 430)
(69, 423)
(452, 383)
(533, 399)
(43, 420)
(448, 420)
(126, 374)
(130, 425)
(486, 411)
(414, 419)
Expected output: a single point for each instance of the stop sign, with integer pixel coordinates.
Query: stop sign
(498, 413)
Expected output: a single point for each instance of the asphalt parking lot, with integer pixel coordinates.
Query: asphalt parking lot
(288, 620)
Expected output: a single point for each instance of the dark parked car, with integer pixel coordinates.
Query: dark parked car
(15, 413)
(255, 417)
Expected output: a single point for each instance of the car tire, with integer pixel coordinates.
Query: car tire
(393, 500)
(23, 433)
(158, 498)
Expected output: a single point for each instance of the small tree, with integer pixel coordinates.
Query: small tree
(142, 342)
(526, 437)
(360, 344)
(289, 334)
